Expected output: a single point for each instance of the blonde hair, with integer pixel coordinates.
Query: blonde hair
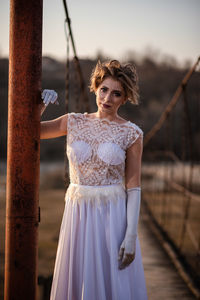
(126, 74)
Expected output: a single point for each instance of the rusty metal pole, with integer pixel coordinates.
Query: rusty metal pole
(23, 150)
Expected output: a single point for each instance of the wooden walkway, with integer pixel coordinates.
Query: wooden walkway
(162, 279)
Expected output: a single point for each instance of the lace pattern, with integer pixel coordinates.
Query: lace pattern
(96, 149)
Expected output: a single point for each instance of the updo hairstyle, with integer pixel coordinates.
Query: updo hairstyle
(126, 74)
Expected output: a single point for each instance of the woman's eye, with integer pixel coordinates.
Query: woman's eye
(103, 89)
(117, 94)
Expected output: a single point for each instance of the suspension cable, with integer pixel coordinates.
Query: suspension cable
(170, 106)
(68, 20)
(67, 73)
(84, 97)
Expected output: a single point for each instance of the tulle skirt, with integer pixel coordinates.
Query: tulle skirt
(92, 230)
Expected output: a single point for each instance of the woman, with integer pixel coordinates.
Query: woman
(98, 255)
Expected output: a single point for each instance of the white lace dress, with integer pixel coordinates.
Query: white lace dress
(94, 220)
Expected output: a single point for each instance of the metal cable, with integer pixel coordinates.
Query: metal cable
(84, 98)
(170, 106)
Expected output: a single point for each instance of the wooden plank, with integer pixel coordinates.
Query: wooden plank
(162, 279)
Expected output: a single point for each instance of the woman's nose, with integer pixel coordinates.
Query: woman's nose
(107, 97)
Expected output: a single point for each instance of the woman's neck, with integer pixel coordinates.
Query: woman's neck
(104, 115)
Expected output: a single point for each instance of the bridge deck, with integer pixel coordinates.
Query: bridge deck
(162, 279)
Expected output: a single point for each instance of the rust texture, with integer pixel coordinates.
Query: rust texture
(23, 149)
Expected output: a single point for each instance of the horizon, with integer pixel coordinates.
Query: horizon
(163, 59)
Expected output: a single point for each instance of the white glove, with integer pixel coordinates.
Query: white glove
(128, 246)
(49, 96)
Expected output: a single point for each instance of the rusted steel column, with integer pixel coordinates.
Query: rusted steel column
(23, 149)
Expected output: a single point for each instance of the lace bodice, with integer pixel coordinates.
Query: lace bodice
(96, 149)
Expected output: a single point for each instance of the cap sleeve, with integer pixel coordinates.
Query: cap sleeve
(70, 121)
(134, 132)
(74, 119)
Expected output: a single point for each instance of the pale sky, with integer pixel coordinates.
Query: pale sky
(117, 26)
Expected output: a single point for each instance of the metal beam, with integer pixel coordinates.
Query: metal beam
(23, 149)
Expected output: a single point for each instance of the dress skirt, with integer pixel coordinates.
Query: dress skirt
(92, 230)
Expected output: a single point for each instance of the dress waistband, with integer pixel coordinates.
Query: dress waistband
(95, 186)
(98, 194)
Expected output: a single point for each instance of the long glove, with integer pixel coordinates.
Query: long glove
(128, 246)
(49, 96)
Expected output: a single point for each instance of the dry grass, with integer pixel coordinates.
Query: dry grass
(52, 206)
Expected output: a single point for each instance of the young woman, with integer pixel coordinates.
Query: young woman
(98, 255)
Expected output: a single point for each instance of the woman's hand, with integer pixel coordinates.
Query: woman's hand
(49, 96)
(127, 252)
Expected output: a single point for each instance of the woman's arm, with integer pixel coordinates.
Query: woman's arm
(133, 181)
(54, 128)
(133, 164)
(42, 108)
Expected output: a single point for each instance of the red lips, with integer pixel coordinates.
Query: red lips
(106, 106)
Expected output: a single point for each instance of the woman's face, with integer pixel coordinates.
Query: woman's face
(110, 96)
